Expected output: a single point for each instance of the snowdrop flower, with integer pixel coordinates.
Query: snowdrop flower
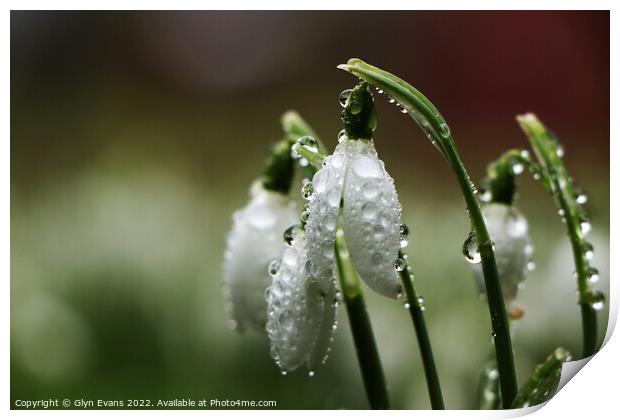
(370, 217)
(508, 229)
(253, 242)
(300, 320)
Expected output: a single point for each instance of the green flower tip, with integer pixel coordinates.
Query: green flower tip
(359, 115)
(530, 123)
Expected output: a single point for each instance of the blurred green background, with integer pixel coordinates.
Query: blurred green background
(135, 135)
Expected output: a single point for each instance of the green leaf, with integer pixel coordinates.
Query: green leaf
(549, 153)
(543, 382)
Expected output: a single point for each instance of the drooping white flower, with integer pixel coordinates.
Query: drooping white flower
(508, 229)
(300, 318)
(354, 175)
(253, 242)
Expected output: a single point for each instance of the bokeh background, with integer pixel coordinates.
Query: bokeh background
(135, 135)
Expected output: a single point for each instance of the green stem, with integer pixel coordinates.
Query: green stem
(416, 308)
(434, 125)
(546, 148)
(363, 338)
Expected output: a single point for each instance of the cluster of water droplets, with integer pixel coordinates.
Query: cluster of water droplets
(300, 318)
(513, 247)
(589, 295)
(371, 218)
(323, 209)
(252, 243)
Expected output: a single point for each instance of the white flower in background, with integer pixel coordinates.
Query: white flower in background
(253, 242)
(371, 218)
(508, 229)
(300, 319)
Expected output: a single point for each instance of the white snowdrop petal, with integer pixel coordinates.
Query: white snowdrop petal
(325, 333)
(324, 208)
(253, 242)
(508, 229)
(295, 310)
(371, 216)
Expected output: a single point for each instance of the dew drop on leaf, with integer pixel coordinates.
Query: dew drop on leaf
(470, 249)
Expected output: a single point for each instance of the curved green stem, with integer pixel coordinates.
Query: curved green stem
(416, 308)
(363, 338)
(434, 125)
(549, 152)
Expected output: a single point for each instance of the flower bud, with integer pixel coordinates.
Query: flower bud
(253, 242)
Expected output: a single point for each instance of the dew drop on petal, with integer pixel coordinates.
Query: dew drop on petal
(370, 190)
(369, 211)
(399, 264)
(274, 266)
(366, 167)
(289, 234)
(307, 190)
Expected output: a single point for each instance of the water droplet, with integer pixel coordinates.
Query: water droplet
(370, 190)
(525, 154)
(289, 234)
(311, 373)
(493, 334)
(369, 211)
(561, 212)
(344, 96)
(285, 318)
(531, 266)
(284, 373)
(596, 299)
(536, 176)
(307, 190)
(366, 167)
(586, 227)
(274, 266)
(303, 162)
(580, 197)
(407, 305)
(470, 249)
(486, 196)
(559, 151)
(404, 236)
(589, 250)
(593, 275)
(444, 130)
(399, 264)
(305, 216)
(379, 91)
(493, 374)
(403, 110)
(517, 168)
(342, 135)
(391, 100)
